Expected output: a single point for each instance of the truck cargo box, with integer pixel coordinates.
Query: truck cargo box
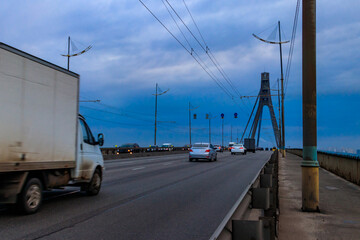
(38, 113)
(249, 144)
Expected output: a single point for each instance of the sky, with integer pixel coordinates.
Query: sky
(131, 52)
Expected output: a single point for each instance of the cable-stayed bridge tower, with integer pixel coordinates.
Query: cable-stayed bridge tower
(264, 99)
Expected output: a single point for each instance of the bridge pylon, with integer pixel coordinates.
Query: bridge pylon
(264, 99)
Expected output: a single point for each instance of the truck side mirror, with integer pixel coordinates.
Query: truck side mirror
(100, 139)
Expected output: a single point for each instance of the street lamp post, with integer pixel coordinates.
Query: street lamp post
(156, 95)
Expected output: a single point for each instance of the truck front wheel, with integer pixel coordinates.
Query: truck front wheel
(30, 198)
(93, 188)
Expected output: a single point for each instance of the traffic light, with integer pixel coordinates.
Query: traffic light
(207, 116)
(194, 116)
(222, 116)
(235, 115)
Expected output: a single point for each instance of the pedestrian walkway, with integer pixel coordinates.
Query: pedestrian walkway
(339, 216)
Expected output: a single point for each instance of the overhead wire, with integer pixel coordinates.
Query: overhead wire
(184, 47)
(116, 122)
(211, 56)
(193, 51)
(119, 114)
(206, 48)
(292, 44)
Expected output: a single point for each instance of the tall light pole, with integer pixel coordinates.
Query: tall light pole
(68, 56)
(210, 130)
(208, 116)
(280, 141)
(222, 130)
(190, 109)
(309, 165)
(237, 135)
(282, 98)
(156, 95)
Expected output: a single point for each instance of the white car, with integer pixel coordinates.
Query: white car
(238, 148)
(202, 151)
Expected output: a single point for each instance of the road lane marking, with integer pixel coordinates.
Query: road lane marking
(134, 169)
(167, 163)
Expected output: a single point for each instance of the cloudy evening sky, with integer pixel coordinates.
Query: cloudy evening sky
(132, 52)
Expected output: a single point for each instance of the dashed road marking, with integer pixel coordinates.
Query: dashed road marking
(134, 169)
(167, 163)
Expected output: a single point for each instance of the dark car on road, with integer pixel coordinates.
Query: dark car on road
(129, 148)
(219, 148)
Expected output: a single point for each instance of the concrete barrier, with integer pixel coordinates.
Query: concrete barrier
(254, 216)
(347, 167)
(117, 153)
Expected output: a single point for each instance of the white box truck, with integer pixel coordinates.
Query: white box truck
(44, 142)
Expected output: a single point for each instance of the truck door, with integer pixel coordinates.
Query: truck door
(90, 154)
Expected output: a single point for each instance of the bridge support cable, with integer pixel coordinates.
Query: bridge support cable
(292, 44)
(242, 137)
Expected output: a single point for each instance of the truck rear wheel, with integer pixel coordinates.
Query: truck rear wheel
(30, 198)
(93, 188)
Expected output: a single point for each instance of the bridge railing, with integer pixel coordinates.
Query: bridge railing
(345, 166)
(254, 215)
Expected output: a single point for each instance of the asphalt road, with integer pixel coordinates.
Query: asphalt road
(162, 197)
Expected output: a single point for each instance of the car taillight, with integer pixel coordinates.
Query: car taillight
(207, 150)
(190, 150)
(241, 148)
(230, 148)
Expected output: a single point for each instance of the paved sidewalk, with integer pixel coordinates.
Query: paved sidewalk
(339, 216)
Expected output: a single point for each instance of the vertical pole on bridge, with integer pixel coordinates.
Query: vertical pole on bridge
(282, 144)
(190, 122)
(68, 56)
(309, 165)
(156, 95)
(209, 129)
(222, 133)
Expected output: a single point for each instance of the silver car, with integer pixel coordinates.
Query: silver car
(202, 151)
(238, 148)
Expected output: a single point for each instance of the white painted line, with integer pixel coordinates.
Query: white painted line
(167, 163)
(124, 163)
(134, 169)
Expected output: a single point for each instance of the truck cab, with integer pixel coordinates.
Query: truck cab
(89, 156)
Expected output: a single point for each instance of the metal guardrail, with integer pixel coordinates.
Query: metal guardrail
(254, 215)
(120, 150)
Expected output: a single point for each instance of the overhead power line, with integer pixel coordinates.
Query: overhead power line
(292, 44)
(201, 65)
(195, 55)
(200, 59)
(120, 123)
(205, 48)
